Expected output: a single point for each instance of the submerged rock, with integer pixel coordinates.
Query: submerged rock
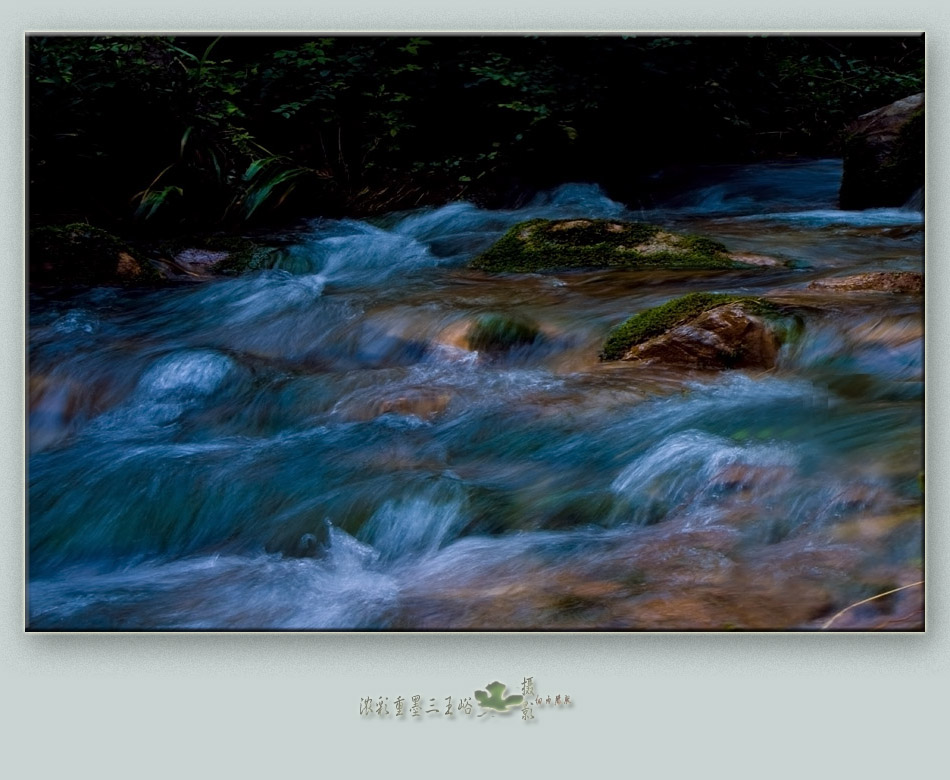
(541, 244)
(881, 281)
(500, 332)
(423, 403)
(702, 330)
(884, 156)
(491, 334)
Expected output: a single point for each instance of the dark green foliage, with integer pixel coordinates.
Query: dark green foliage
(830, 81)
(539, 245)
(193, 130)
(660, 319)
(148, 129)
(499, 332)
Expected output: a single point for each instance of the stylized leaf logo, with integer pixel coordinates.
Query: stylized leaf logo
(494, 698)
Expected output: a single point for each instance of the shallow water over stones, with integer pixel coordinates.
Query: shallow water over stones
(320, 445)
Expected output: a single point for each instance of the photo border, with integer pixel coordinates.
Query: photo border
(616, 678)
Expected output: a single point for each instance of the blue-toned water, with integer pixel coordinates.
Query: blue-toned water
(316, 446)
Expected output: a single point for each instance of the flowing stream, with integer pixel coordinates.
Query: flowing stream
(314, 447)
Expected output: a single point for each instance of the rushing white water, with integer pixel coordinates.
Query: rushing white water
(315, 446)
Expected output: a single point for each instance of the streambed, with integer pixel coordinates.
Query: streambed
(311, 446)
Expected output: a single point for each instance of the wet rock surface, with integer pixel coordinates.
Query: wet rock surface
(879, 281)
(884, 155)
(723, 338)
(540, 245)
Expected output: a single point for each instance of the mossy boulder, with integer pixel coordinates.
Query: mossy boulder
(561, 244)
(84, 254)
(702, 330)
(884, 156)
(500, 332)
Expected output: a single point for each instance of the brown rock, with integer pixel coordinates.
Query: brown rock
(721, 338)
(127, 267)
(882, 125)
(455, 335)
(884, 156)
(881, 281)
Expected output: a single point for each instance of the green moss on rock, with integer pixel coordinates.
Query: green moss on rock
(499, 332)
(243, 255)
(660, 319)
(83, 253)
(541, 244)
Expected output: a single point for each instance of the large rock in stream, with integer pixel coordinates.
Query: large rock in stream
(702, 330)
(884, 156)
(562, 244)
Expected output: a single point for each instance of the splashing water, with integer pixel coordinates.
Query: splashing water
(317, 446)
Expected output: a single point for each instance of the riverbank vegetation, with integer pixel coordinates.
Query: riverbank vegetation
(161, 134)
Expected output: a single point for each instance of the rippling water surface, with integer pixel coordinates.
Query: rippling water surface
(314, 447)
